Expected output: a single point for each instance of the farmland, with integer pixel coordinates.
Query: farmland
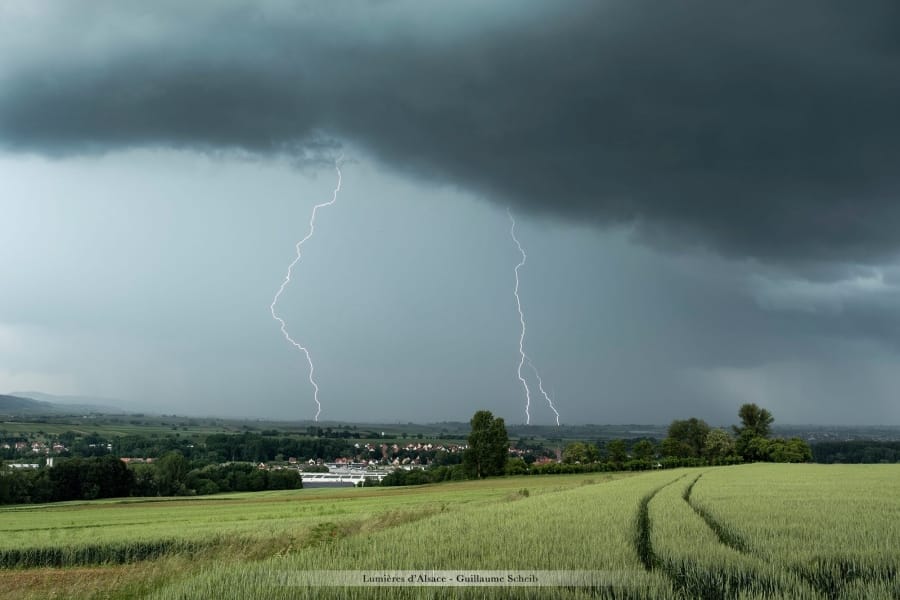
(754, 531)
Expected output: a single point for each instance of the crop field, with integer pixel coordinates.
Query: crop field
(257, 515)
(837, 527)
(750, 531)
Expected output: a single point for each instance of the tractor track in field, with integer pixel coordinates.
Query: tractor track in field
(642, 542)
(726, 535)
(826, 576)
(688, 581)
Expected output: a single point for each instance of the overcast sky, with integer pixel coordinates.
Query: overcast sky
(706, 190)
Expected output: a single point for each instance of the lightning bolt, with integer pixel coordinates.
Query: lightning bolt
(541, 387)
(523, 358)
(287, 280)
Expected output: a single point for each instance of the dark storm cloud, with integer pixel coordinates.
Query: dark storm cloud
(767, 129)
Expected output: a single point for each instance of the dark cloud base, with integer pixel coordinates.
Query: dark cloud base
(759, 129)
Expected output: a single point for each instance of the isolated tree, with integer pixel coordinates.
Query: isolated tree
(488, 446)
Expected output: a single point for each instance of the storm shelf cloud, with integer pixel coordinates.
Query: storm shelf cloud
(757, 140)
(766, 129)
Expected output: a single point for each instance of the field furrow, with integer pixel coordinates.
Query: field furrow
(836, 527)
(692, 555)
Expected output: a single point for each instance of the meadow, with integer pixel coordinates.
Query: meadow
(749, 531)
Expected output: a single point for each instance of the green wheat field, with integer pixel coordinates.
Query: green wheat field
(749, 531)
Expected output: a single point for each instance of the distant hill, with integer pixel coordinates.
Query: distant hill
(16, 405)
(36, 403)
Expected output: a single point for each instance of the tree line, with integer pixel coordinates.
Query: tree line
(750, 441)
(93, 478)
(208, 468)
(856, 451)
(689, 442)
(692, 442)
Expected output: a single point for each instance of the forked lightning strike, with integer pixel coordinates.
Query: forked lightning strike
(287, 280)
(541, 387)
(512, 232)
(523, 358)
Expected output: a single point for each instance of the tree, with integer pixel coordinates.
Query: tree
(145, 482)
(755, 419)
(672, 447)
(580, 452)
(285, 480)
(755, 447)
(756, 423)
(107, 477)
(793, 450)
(718, 445)
(488, 446)
(171, 472)
(686, 438)
(644, 450)
(617, 451)
(516, 466)
(90, 478)
(66, 479)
